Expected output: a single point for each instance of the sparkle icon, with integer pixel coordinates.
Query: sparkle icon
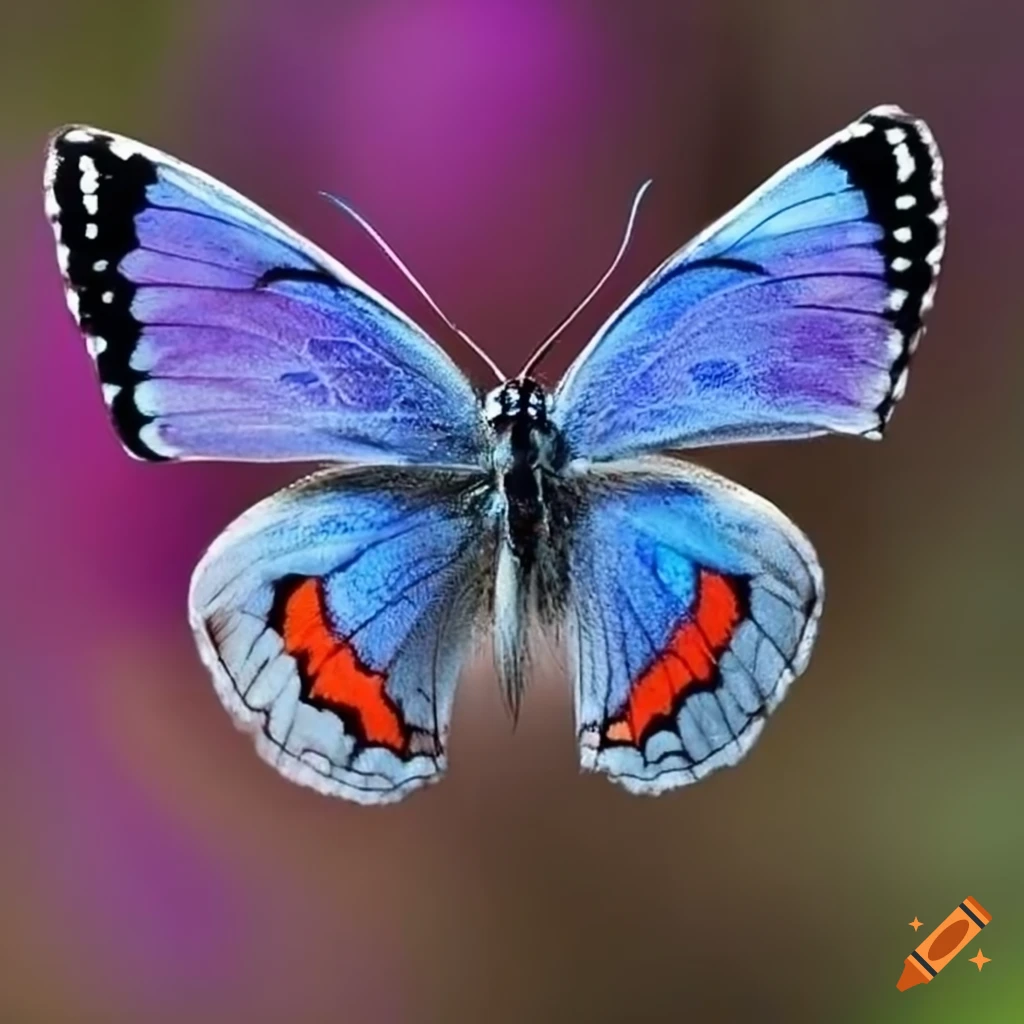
(981, 959)
(915, 924)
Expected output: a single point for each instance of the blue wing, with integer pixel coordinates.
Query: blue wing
(334, 617)
(794, 315)
(219, 333)
(693, 605)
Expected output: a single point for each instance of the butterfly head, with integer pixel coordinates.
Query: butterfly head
(517, 402)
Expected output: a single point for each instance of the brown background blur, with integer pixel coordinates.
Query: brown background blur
(152, 869)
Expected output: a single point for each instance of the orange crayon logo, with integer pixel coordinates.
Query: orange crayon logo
(943, 944)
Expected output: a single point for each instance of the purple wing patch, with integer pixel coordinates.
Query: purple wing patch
(794, 315)
(219, 333)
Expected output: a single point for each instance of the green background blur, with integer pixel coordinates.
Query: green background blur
(152, 869)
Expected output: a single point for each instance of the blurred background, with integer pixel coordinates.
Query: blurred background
(152, 869)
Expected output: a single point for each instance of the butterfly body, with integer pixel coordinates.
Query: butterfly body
(335, 616)
(529, 457)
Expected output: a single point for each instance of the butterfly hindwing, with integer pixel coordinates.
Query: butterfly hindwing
(693, 605)
(218, 332)
(335, 616)
(794, 315)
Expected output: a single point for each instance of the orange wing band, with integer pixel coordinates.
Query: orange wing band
(335, 676)
(688, 662)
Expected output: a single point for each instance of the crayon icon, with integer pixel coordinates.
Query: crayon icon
(943, 944)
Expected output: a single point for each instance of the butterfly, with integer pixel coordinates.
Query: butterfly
(335, 615)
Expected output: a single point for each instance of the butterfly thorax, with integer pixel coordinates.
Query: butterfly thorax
(528, 460)
(528, 456)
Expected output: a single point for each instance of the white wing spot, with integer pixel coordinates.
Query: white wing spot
(894, 136)
(95, 345)
(149, 435)
(860, 129)
(91, 231)
(123, 149)
(91, 204)
(100, 265)
(78, 135)
(90, 180)
(896, 299)
(108, 297)
(905, 202)
(110, 392)
(72, 299)
(903, 234)
(905, 165)
(899, 264)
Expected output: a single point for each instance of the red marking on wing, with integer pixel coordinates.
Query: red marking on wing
(688, 660)
(336, 676)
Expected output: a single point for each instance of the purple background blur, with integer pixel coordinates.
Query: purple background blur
(153, 869)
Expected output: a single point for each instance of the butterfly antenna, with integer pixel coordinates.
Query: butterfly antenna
(545, 346)
(393, 256)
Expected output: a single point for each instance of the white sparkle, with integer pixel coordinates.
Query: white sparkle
(895, 135)
(91, 204)
(91, 231)
(902, 234)
(905, 165)
(905, 202)
(899, 264)
(90, 180)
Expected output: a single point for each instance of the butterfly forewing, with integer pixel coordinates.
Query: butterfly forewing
(794, 315)
(220, 333)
